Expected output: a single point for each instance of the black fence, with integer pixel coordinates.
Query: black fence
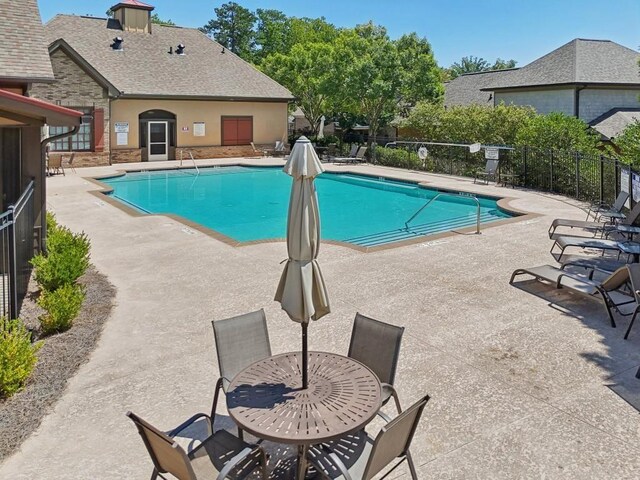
(592, 178)
(17, 226)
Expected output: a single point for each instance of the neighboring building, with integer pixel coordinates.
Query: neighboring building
(588, 79)
(24, 62)
(154, 90)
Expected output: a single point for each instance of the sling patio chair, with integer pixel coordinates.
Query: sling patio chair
(352, 158)
(377, 345)
(240, 341)
(634, 276)
(628, 225)
(221, 455)
(490, 172)
(613, 289)
(360, 457)
(260, 151)
(566, 241)
(611, 211)
(54, 165)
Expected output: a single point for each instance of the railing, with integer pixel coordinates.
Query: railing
(444, 194)
(192, 160)
(17, 227)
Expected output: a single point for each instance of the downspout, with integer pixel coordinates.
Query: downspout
(43, 175)
(576, 100)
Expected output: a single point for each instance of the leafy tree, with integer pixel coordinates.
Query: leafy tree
(469, 64)
(155, 18)
(628, 144)
(501, 64)
(308, 72)
(272, 33)
(421, 73)
(233, 28)
(310, 30)
(558, 131)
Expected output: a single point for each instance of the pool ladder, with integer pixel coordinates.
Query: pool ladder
(192, 160)
(445, 194)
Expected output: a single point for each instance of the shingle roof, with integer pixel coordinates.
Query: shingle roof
(23, 55)
(612, 123)
(580, 61)
(466, 89)
(145, 68)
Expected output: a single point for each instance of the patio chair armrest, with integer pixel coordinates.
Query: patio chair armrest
(336, 461)
(586, 281)
(582, 264)
(384, 416)
(189, 422)
(231, 464)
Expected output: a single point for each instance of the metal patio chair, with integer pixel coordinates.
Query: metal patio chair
(377, 345)
(54, 165)
(360, 457)
(240, 341)
(614, 211)
(221, 455)
(490, 172)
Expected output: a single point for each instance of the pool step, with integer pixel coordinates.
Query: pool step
(419, 230)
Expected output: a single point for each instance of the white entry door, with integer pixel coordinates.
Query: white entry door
(158, 136)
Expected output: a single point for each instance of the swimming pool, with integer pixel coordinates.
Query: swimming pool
(250, 203)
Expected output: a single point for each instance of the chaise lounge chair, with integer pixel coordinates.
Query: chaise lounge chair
(565, 241)
(628, 225)
(359, 157)
(490, 172)
(611, 211)
(610, 289)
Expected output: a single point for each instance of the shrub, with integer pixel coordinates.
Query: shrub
(52, 223)
(66, 261)
(393, 157)
(62, 306)
(557, 131)
(18, 356)
(629, 143)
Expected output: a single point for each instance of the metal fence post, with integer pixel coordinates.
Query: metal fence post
(616, 168)
(601, 178)
(551, 171)
(524, 167)
(577, 155)
(631, 185)
(13, 266)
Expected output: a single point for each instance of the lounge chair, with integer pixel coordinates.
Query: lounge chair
(280, 149)
(634, 276)
(610, 289)
(364, 457)
(611, 211)
(240, 341)
(629, 220)
(221, 455)
(358, 157)
(377, 345)
(260, 151)
(54, 165)
(565, 241)
(490, 172)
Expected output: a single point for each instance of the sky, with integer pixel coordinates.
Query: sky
(522, 30)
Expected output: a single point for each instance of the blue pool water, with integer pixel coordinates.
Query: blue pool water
(247, 203)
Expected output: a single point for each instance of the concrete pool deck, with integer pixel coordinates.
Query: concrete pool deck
(526, 382)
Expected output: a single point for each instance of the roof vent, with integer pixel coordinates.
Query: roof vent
(117, 44)
(180, 49)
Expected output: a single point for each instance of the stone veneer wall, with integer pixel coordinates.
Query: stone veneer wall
(74, 88)
(82, 159)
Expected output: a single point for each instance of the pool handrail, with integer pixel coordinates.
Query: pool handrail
(455, 195)
(192, 160)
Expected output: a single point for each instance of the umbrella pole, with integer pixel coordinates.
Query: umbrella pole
(305, 354)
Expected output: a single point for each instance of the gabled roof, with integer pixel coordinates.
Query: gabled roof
(578, 62)
(23, 55)
(612, 123)
(145, 68)
(466, 89)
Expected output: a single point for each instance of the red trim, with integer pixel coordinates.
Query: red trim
(98, 130)
(39, 103)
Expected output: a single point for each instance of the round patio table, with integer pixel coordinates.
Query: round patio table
(266, 400)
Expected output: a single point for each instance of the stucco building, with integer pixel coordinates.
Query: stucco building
(588, 79)
(155, 90)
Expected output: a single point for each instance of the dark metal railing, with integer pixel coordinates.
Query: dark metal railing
(17, 226)
(588, 177)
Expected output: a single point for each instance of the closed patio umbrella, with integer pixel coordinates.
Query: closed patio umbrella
(301, 290)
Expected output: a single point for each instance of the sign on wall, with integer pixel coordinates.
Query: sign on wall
(121, 127)
(122, 138)
(185, 129)
(198, 129)
(491, 153)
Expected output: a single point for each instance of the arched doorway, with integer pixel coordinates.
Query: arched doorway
(157, 135)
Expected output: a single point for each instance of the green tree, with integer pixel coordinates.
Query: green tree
(628, 144)
(469, 64)
(501, 64)
(558, 131)
(233, 28)
(272, 33)
(155, 18)
(421, 73)
(309, 72)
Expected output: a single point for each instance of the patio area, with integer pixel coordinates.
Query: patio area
(525, 381)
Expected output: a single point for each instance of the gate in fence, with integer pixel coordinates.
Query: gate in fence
(17, 226)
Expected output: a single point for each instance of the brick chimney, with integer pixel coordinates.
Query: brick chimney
(133, 15)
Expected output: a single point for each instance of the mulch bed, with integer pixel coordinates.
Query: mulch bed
(58, 360)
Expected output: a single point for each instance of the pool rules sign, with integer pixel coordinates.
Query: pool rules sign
(491, 153)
